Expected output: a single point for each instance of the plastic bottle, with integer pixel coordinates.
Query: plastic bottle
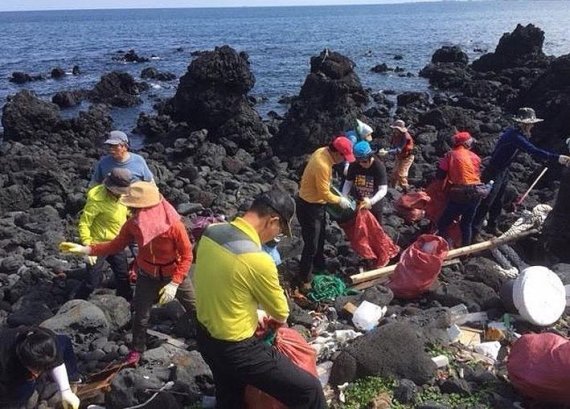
(456, 312)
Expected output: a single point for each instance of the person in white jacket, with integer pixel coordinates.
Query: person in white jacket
(366, 179)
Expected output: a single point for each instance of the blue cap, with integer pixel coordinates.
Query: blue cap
(352, 136)
(362, 150)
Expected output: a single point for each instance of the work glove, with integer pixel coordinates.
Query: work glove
(383, 152)
(167, 293)
(69, 400)
(564, 160)
(74, 248)
(91, 260)
(344, 203)
(366, 203)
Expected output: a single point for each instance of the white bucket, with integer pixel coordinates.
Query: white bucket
(539, 296)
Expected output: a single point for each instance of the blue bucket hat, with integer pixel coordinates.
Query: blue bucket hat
(362, 150)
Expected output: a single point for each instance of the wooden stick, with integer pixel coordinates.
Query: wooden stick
(462, 251)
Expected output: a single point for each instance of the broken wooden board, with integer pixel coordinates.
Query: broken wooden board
(168, 339)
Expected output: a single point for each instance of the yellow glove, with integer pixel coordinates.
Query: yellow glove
(69, 400)
(366, 204)
(167, 293)
(74, 248)
(91, 260)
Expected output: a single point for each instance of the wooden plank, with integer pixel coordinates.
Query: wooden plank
(462, 251)
(167, 338)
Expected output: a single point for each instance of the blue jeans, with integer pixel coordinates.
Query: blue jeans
(24, 390)
(451, 212)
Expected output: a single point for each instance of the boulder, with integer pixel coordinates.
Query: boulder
(450, 54)
(393, 350)
(67, 99)
(116, 309)
(330, 101)
(82, 321)
(21, 77)
(117, 89)
(57, 73)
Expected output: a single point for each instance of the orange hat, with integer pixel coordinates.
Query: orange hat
(462, 138)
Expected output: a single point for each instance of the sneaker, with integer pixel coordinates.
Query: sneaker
(132, 358)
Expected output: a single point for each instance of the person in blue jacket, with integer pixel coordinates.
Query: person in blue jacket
(512, 141)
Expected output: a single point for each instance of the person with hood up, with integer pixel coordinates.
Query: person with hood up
(314, 194)
(28, 352)
(117, 144)
(227, 314)
(367, 179)
(462, 170)
(402, 147)
(163, 259)
(511, 142)
(362, 132)
(100, 221)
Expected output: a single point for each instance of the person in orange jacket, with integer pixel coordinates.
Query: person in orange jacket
(163, 259)
(462, 169)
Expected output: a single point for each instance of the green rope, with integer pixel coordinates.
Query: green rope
(328, 287)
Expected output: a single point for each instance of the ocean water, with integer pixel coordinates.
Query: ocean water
(279, 41)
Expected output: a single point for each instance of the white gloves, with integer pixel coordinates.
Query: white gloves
(344, 203)
(366, 203)
(74, 248)
(383, 152)
(167, 293)
(91, 260)
(564, 160)
(69, 399)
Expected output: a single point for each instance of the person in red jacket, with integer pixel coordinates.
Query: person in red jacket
(462, 170)
(163, 259)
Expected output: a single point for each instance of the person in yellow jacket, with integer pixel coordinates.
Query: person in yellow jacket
(100, 221)
(233, 275)
(314, 194)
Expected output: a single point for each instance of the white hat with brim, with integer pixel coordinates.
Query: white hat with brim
(141, 195)
(526, 116)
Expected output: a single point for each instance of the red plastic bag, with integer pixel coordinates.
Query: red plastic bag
(291, 344)
(418, 269)
(411, 206)
(368, 239)
(539, 367)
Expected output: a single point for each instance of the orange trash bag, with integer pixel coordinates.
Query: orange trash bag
(291, 344)
(368, 239)
(539, 367)
(411, 206)
(418, 267)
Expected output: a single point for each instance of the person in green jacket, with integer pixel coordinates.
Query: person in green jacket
(100, 221)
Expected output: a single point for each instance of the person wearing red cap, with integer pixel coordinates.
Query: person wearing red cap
(462, 170)
(314, 194)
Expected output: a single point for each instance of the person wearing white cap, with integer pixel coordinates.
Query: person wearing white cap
(117, 144)
(402, 146)
(511, 142)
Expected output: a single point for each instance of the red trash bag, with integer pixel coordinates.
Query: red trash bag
(539, 367)
(411, 206)
(418, 267)
(368, 239)
(291, 344)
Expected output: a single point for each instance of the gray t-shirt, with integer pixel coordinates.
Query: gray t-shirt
(136, 164)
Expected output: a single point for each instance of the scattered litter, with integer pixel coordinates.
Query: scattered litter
(473, 317)
(367, 315)
(324, 372)
(441, 361)
(489, 349)
(326, 344)
(464, 335)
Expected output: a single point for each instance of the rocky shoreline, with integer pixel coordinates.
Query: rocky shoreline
(210, 151)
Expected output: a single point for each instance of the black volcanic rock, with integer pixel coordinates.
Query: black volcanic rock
(521, 48)
(67, 99)
(213, 95)
(19, 77)
(447, 54)
(57, 73)
(153, 73)
(330, 101)
(118, 89)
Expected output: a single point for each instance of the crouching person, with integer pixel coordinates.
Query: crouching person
(233, 276)
(28, 352)
(163, 259)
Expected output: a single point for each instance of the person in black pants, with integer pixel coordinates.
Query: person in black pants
(511, 142)
(367, 180)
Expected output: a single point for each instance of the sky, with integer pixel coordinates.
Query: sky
(18, 5)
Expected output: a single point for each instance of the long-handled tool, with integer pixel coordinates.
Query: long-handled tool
(521, 198)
